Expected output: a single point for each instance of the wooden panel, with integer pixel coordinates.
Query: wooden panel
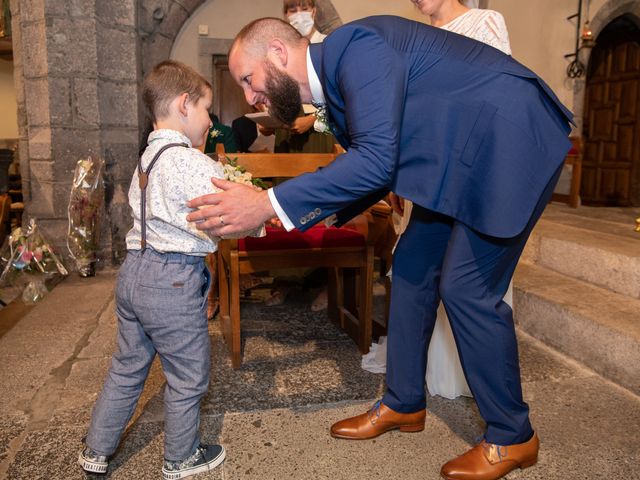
(228, 98)
(602, 123)
(609, 153)
(619, 63)
(626, 140)
(629, 100)
(611, 162)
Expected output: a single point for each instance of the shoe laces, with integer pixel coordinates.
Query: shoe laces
(93, 456)
(494, 453)
(190, 461)
(374, 412)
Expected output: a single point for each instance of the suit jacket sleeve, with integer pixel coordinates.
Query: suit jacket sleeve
(367, 79)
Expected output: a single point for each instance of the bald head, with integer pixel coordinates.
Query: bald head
(254, 38)
(268, 59)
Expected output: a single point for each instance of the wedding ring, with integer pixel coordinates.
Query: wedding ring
(221, 220)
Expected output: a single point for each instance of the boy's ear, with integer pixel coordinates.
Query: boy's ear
(183, 99)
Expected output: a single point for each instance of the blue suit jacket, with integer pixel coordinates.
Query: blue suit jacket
(450, 123)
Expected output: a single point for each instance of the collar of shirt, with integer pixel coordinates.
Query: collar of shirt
(171, 136)
(317, 95)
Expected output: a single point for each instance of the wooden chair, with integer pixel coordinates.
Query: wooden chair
(5, 220)
(573, 158)
(347, 253)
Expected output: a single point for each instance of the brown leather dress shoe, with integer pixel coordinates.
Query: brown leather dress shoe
(376, 421)
(487, 461)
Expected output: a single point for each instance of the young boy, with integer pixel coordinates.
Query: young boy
(162, 285)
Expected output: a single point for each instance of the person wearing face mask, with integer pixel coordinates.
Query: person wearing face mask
(301, 15)
(302, 136)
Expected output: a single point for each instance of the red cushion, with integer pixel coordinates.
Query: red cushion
(317, 236)
(573, 151)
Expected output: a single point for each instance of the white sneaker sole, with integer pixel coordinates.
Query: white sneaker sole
(187, 472)
(93, 467)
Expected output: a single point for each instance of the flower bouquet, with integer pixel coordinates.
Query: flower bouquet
(30, 261)
(238, 174)
(85, 206)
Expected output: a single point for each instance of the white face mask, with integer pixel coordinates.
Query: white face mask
(302, 21)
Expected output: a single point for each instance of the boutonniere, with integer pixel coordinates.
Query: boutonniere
(322, 120)
(215, 133)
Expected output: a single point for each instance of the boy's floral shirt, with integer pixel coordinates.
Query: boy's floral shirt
(180, 174)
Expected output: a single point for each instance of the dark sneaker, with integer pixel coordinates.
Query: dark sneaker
(205, 458)
(93, 462)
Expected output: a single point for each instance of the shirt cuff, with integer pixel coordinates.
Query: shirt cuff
(286, 223)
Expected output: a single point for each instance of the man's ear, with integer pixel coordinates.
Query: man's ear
(278, 49)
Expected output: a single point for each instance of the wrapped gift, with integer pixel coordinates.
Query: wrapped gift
(85, 210)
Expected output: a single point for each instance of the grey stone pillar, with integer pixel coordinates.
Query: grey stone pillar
(75, 65)
(118, 105)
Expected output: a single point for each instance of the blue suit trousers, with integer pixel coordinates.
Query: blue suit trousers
(439, 258)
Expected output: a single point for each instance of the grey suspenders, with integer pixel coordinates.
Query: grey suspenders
(143, 181)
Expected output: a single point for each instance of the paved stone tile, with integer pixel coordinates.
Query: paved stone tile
(538, 362)
(589, 428)
(10, 428)
(273, 414)
(52, 453)
(295, 444)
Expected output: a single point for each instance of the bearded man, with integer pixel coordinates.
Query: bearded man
(475, 140)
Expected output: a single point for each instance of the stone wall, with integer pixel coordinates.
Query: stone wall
(76, 79)
(78, 66)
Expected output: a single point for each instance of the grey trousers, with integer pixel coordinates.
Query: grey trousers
(161, 307)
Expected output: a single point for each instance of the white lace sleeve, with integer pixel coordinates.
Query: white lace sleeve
(496, 32)
(486, 26)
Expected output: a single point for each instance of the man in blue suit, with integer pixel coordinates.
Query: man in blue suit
(468, 134)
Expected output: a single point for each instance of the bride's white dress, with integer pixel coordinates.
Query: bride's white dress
(444, 372)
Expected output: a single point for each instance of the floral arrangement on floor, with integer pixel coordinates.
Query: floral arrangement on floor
(85, 208)
(30, 261)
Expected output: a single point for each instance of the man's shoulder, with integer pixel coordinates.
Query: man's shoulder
(384, 29)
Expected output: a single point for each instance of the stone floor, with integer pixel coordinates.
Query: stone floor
(299, 375)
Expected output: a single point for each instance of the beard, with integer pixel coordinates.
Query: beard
(283, 93)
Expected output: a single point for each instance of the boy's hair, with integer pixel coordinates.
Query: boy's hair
(287, 4)
(168, 80)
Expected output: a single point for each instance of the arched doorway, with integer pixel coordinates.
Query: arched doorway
(611, 164)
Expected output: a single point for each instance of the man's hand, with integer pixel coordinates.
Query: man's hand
(302, 124)
(265, 131)
(238, 208)
(397, 203)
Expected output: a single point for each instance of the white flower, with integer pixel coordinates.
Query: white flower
(214, 133)
(321, 124)
(236, 175)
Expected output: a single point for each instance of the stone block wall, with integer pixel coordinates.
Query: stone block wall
(65, 93)
(78, 67)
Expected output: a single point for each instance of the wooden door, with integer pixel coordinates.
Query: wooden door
(611, 162)
(228, 99)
